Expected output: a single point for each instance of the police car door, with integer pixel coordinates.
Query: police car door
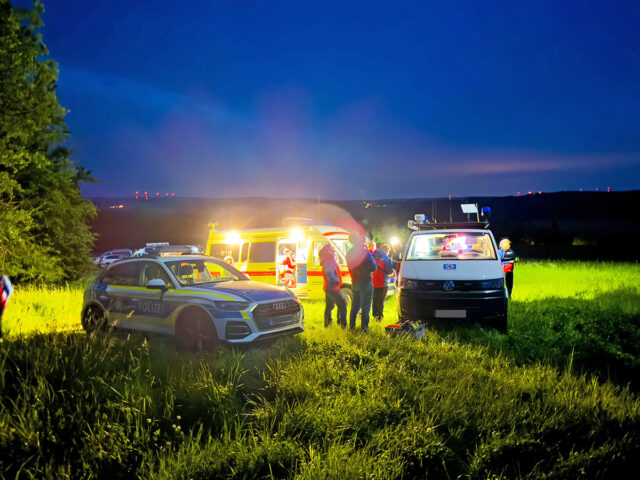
(152, 309)
(117, 290)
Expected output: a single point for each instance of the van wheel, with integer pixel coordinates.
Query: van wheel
(94, 319)
(195, 332)
(499, 323)
(348, 293)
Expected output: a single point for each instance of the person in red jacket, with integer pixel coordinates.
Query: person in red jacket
(380, 280)
(289, 269)
(333, 295)
(508, 258)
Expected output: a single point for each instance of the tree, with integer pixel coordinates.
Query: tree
(44, 220)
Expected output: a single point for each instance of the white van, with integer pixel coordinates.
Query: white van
(452, 272)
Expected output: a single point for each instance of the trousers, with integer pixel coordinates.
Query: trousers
(335, 298)
(377, 306)
(362, 294)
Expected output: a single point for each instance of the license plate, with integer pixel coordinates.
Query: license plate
(276, 321)
(451, 314)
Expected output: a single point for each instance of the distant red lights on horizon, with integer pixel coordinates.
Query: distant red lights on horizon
(158, 195)
(539, 192)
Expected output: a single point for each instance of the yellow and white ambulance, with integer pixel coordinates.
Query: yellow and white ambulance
(263, 254)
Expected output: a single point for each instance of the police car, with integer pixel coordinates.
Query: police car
(452, 272)
(198, 299)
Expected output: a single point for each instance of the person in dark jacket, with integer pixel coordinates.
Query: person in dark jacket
(380, 279)
(333, 295)
(361, 265)
(508, 258)
(396, 258)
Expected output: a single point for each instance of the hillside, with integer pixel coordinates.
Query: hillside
(575, 225)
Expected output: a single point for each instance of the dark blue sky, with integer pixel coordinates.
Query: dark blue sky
(350, 99)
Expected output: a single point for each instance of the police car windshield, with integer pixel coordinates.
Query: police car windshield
(451, 246)
(203, 270)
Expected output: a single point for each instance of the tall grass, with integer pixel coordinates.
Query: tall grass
(463, 403)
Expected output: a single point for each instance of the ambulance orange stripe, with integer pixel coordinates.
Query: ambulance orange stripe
(309, 274)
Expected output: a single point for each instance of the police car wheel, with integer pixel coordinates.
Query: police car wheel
(195, 332)
(93, 319)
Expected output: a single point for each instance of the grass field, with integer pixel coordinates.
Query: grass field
(554, 398)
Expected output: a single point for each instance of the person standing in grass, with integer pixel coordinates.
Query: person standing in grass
(380, 280)
(508, 258)
(361, 265)
(333, 294)
(5, 292)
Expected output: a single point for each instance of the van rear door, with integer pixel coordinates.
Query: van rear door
(261, 265)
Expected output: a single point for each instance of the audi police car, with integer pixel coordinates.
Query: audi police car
(452, 272)
(198, 299)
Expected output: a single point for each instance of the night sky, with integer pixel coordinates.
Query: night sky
(350, 100)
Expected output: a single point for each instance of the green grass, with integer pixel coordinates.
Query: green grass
(461, 403)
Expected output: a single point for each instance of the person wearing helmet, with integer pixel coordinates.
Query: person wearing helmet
(333, 295)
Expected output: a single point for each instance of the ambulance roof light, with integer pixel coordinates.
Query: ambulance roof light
(233, 238)
(296, 234)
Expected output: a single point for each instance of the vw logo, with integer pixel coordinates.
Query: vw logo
(449, 285)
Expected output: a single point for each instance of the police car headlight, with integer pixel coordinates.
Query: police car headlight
(231, 306)
(493, 284)
(408, 284)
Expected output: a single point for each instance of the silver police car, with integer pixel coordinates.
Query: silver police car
(200, 300)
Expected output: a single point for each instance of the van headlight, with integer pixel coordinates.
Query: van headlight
(408, 284)
(493, 284)
(231, 306)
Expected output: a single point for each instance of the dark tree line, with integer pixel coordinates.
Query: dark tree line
(44, 220)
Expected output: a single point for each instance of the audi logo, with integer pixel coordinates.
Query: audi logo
(279, 306)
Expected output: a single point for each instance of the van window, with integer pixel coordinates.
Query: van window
(244, 254)
(341, 246)
(263, 252)
(317, 246)
(451, 246)
(222, 250)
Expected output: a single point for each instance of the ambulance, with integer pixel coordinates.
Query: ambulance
(286, 256)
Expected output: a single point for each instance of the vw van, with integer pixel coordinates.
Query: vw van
(452, 272)
(261, 253)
